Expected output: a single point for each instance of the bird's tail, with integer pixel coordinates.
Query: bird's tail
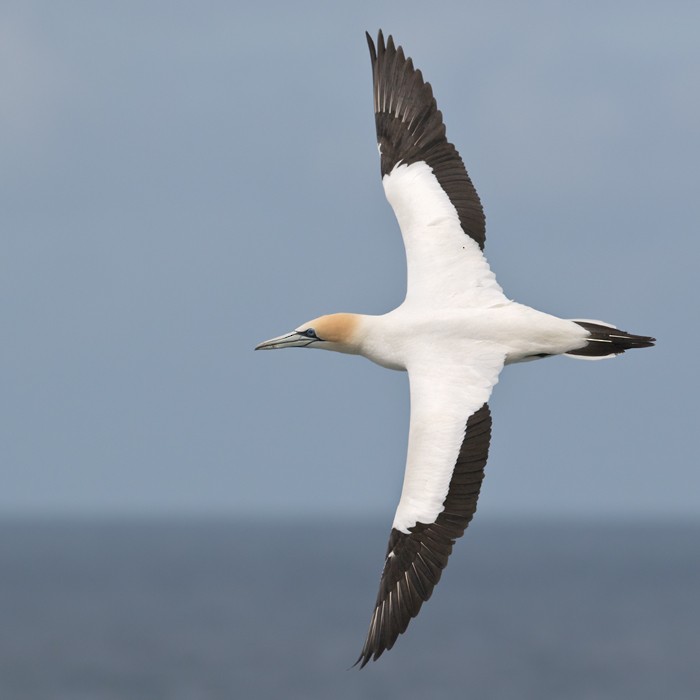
(607, 341)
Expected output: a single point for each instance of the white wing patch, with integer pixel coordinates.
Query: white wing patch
(446, 267)
(445, 391)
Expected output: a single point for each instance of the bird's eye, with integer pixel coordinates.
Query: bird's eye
(310, 333)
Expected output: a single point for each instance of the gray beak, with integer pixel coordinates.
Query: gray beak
(290, 340)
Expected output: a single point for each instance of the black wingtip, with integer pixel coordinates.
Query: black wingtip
(372, 47)
(361, 658)
(380, 46)
(367, 656)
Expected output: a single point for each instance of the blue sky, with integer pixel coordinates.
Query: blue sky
(180, 182)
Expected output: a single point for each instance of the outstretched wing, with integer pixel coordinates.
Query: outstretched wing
(447, 450)
(426, 183)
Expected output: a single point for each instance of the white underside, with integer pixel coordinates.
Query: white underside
(453, 358)
(453, 334)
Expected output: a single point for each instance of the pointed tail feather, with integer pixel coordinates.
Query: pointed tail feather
(608, 341)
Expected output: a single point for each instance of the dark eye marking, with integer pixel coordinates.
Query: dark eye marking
(310, 333)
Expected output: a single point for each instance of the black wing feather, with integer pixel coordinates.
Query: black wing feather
(410, 129)
(415, 561)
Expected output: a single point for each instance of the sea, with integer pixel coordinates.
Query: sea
(238, 609)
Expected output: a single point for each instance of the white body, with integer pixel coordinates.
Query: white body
(453, 334)
(453, 358)
(417, 334)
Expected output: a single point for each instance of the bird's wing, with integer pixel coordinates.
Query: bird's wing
(448, 445)
(426, 183)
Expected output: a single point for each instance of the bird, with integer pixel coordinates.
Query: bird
(453, 334)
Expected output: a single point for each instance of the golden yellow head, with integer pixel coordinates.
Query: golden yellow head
(335, 328)
(337, 332)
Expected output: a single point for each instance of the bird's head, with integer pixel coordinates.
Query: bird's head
(337, 332)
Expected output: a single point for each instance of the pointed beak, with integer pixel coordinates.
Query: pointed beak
(290, 340)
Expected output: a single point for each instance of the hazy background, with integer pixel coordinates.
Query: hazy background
(180, 181)
(215, 610)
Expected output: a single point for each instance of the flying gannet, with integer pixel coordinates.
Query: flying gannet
(453, 334)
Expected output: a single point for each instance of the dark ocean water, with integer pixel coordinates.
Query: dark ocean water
(234, 609)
